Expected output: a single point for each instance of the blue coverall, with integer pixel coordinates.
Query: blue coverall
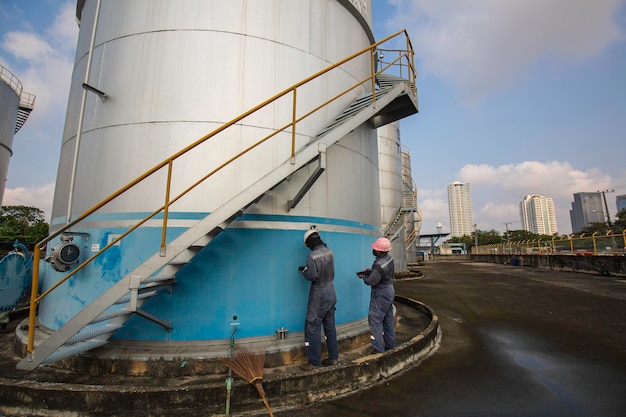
(380, 316)
(320, 270)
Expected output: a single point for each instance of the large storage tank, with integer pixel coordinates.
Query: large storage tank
(391, 191)
(413, 220)
(9, 100)
(172, 71)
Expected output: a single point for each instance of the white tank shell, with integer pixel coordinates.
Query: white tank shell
(391, 197)
(9, 103)
(173, 71)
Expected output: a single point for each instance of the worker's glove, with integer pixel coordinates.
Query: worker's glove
(301, 268)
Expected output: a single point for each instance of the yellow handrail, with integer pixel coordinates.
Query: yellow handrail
(408, 55)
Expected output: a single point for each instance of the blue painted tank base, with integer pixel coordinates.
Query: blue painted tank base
(201, 355)
(247, 276)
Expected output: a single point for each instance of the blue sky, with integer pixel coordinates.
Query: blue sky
(516, 97)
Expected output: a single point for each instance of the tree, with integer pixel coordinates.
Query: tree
(22, 223)
(599, 227)
(484, 238)
(617, 227)
(524, 235)
(620, 223)
(489, 237)
(467, 239)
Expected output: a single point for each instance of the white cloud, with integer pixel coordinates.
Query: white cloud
(482, 46)
(42, 58)
(64, 29)
(39, 196)
(555, 179)
(47, 67)
(26, 46)
(497, 191)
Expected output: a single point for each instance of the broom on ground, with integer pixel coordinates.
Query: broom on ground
(249, 366)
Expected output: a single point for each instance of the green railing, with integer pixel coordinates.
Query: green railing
(596, 244)
(403, 61)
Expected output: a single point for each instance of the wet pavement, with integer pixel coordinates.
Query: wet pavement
(515, 342)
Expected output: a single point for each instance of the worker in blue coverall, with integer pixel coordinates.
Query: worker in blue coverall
(380, 278)
(320, 270)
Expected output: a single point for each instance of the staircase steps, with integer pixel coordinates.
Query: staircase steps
(27, 103)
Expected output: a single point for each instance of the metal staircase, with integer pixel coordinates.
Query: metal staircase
(94, 325)
(27, 100)
(409, 206)
(27, 103)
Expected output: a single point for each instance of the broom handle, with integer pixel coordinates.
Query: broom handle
(267, 405)
(259, 388)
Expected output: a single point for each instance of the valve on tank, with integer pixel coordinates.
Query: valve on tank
(64, 255)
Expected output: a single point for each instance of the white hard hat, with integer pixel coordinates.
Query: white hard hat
(309, 233)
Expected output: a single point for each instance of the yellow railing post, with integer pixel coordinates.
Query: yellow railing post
(33, 300)
(294, 116)
(373, 73)
(593, 240)
(166, 206)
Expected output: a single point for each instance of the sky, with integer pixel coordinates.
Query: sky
(516, 97)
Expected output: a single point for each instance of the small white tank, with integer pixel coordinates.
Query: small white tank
(172, 71)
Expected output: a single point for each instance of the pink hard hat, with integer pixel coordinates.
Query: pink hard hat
(382, 244)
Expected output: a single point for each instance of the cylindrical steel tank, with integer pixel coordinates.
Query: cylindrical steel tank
(10, 90)
(172, 71)
(412, 221)
(391, 197)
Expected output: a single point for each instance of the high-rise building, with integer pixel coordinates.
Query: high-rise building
(620, 200)
(587, 208)
(537, 215)
(460, 207)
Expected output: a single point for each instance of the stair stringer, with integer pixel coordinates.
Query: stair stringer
(181, 247)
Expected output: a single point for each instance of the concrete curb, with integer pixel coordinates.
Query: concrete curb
(287, 389)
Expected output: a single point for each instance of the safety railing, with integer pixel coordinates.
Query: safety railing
(595, 244)
(27, 100)
(402, 62)
(11, 80)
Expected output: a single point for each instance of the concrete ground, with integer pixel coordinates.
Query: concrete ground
(515, 341)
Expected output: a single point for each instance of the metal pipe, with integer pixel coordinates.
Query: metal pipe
(82, 115)
(229, 380)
